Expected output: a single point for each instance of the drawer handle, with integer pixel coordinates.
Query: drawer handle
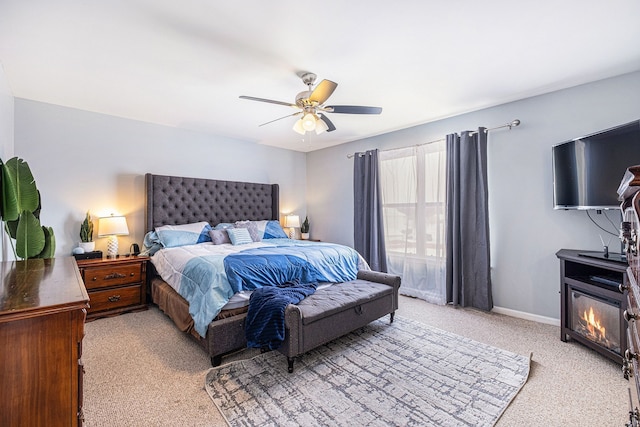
(629, 355)
(132, 274)
(114, 298)
(622, 288)
(629, 316)
(114, 276)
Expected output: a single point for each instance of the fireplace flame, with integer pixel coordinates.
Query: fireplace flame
(593, 324)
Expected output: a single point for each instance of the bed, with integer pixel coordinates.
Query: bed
(174, 201)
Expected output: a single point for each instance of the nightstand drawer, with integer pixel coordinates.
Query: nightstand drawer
(111, 275)
(114, 298)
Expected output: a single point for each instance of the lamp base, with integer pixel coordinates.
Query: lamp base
(292, 233)
(112, 247)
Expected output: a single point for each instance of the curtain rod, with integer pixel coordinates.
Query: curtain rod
(509, 125)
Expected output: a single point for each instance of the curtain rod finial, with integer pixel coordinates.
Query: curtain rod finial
(514, 123)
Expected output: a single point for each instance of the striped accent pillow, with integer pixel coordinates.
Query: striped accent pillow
(239, 236)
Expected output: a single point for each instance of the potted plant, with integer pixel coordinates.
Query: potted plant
(304, 229)
(20, 212)
(86, 234)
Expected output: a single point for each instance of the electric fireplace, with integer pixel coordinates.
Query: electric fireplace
(596, 319)
(593, 302)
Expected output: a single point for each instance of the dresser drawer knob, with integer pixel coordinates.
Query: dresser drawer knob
(622, 288)
(629, 316)
(132, 274)
(94, 278)
(114, 298)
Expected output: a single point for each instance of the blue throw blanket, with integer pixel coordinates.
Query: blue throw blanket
(264, 326)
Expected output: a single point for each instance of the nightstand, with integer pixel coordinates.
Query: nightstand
(115, 285)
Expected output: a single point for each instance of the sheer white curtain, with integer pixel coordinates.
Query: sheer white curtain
(413, 184)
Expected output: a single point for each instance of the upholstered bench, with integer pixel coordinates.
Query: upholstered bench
(335, 311)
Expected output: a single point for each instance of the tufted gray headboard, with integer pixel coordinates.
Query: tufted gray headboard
(180, 200)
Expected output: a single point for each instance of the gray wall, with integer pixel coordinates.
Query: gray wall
(6, 117)
(6, 144)
(87, 161)
(83, 160)
(525, 230)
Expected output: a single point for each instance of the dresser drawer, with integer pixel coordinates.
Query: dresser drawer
(115, 298)
(96, 277)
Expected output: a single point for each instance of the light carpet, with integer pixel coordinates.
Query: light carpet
(406, 373)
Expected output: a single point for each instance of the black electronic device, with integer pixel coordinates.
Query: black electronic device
(134, 249)
(88, 255)
(587, 170)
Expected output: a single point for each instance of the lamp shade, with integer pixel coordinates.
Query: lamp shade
(309, 122)
(292, 221)
(112, 226)
(321, 126)
(298, 127)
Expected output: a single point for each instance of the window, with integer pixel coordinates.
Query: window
(413, 182)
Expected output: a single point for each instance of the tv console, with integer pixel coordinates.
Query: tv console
(610, 256)
(598, 284)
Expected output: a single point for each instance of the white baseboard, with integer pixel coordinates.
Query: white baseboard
(526, 316)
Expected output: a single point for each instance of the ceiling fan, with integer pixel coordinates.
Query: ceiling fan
(312, 110)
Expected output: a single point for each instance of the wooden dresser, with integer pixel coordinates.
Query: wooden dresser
(629, 235)
(42, 312)
(115, 285)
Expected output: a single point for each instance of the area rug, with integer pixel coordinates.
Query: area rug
(400, 374)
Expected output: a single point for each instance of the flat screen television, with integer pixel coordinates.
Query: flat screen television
(587, 171)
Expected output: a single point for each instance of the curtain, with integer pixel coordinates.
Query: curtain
(468, 264)
(368, 234)
(413, 197)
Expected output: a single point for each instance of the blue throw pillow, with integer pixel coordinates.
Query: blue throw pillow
(273, 230)
(239, 236)
(172, 236)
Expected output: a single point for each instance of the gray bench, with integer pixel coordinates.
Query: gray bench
(333, 312)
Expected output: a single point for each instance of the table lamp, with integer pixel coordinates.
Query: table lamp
(112, 227)
(292, 222)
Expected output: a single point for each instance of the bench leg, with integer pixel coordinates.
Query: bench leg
(216, 360)
(392, 314)
(290, 363)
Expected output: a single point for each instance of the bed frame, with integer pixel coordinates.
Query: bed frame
(180, 200)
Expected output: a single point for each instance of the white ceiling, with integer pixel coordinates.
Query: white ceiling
(184, 63)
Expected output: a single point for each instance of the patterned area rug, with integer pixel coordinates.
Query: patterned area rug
(406, 373)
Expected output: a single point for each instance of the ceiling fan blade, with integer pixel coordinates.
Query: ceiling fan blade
(325, 119)
(270, 101)
(353, 109)
(288, 115)
(323, 91)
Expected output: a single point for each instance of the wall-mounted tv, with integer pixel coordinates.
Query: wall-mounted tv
(587, 170)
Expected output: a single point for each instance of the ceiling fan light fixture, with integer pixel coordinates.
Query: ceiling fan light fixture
(297, 126)
(309, 122)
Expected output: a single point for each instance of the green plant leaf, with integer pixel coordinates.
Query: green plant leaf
(49, 243)
(19, 192)
(30, 240)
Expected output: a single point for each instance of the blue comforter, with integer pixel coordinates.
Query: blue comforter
(271, 266)
(208, 275)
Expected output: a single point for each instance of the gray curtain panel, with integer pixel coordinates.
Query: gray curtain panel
(468, 273)
(368, 225)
